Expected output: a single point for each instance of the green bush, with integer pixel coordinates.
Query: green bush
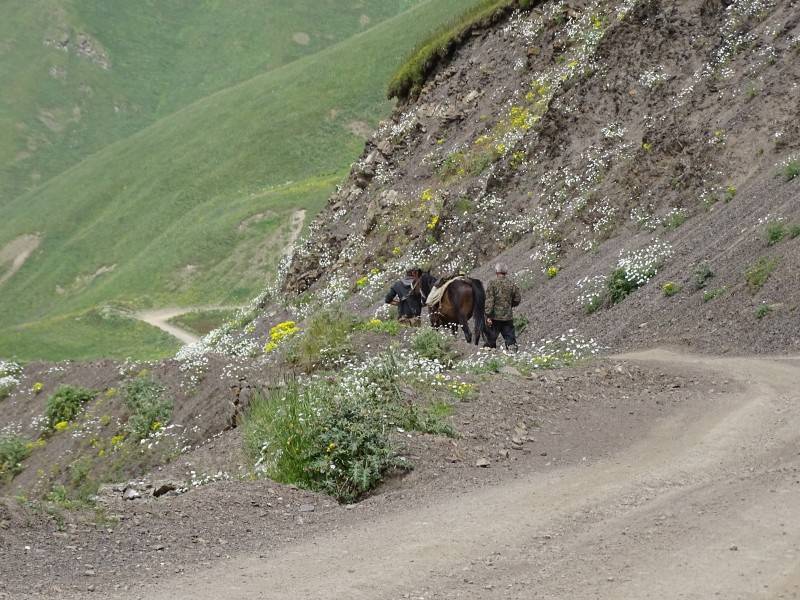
(305, 436)
(13, 450)
(149, 409)
(389, 327)
(710, 295)
(333, 435)
(66, 403)
(618, 286)
(324, 341)
(758, 274)
(791, 170)
(411, 75)
(776, 231)
(434, 345)
(702, 273)
(763, 310)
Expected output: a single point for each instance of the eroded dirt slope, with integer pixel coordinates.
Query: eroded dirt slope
(571, 136)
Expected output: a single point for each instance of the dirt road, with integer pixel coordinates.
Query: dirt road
(160, 318)
(705, 505)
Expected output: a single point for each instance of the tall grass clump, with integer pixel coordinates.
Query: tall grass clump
(324, 343)
(757, 275)
(411, 75)
(434, 345)
(150, 409)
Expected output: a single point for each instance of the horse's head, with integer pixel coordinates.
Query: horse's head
(426, 282)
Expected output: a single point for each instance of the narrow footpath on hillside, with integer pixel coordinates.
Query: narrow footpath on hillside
(160, 317)
(704, 503)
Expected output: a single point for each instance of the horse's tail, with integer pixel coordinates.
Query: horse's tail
(479, 309)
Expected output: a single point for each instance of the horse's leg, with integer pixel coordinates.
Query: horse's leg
(465, 327)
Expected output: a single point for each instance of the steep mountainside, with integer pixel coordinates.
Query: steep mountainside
(77, 76)
(196, 208)
(598, 147)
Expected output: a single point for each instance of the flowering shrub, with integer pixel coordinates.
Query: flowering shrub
(547, 354)
(333, 435)
(552, 271)
(65, 404)
(60, 426)
(279, 333)
(391, 326)
(462, 390)
(633, 270)
(9, 377)
(149, 409)
(37, 387)
(670, 288)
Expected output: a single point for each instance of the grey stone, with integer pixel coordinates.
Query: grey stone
(307, 508)
(482, 462)
(509, 370)
(130, 494)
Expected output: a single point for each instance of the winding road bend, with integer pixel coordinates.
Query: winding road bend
(703, 504)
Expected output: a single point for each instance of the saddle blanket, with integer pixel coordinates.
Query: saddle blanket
(438, 292)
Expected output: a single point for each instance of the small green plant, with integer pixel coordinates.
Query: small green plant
(763, 310)
(324, 342)
(389, 327)
(619, 286)
(670, 288)
(730, 193)
(710, 295)
(65, 404)
(520, 324)
(674, 219)
(13, 450)
(434, 345)
(758, 274)
(776, 231)
(702, 273)
(149, 409)
(791, 170)
(794, 231)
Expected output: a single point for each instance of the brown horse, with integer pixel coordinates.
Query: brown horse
(464, 298)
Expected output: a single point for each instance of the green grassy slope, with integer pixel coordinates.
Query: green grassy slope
(165, 206)
(59, 103)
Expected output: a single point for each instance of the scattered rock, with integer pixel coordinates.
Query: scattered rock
(509, 370)
(307, 508)
(163, 487)
(130, 494)
(482, 462)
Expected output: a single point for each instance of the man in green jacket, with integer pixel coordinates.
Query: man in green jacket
(502, 296)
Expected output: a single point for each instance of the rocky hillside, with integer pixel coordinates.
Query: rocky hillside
(635, 161)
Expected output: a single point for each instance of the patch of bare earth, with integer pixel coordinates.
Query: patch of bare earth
(14, 254)
(653, 474)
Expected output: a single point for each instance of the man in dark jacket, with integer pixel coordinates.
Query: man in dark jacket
(502, 296)
(407, 299)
